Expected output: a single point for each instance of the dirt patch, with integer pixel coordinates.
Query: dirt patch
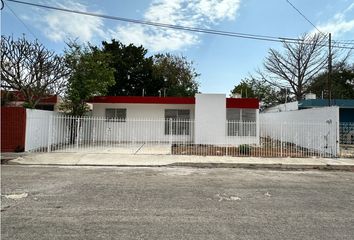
(241, 151)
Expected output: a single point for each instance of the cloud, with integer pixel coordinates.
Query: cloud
(339, 24)
(198, 13)
(58, 26)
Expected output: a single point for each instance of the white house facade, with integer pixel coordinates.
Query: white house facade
(203, 119)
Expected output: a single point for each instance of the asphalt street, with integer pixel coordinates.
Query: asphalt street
(174, 203)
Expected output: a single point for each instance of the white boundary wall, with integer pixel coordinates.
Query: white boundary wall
(38, 127)
(316, 128)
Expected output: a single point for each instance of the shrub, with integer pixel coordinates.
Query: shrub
(245, 149)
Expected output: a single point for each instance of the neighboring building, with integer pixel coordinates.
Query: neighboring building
(206, 118)
(16, 99)
(346, 106)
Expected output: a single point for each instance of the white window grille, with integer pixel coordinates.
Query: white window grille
(237, 120)
(116, 114)
(177, 121)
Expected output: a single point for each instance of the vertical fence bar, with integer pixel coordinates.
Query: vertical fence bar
(77, 134)
(50, 120)
(281, 139)
(170, 132)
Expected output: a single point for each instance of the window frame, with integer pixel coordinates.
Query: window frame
(236, 127)
(115, 118)
(180, 125)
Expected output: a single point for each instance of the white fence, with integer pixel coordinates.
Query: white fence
(171, 136)
(346, 133)
(316, 128)
(38, 127)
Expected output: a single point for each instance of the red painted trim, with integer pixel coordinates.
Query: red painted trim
(143, 100)
(13, 129)
(230, 102)
(242, 103)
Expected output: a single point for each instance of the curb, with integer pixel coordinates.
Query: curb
(279, 166)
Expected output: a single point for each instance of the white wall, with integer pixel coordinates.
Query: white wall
(141, 111)
(209, 123)
(315, 128)
(210, 118)
(291, 106)
(145, 122)
(38, 128)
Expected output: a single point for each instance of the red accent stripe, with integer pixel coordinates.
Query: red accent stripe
(230, 102)
(242, 103)
(144, 100)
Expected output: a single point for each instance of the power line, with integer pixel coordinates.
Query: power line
(344, 42)
(177, 27)
(253, 36)
(308, 20)
(24, 24)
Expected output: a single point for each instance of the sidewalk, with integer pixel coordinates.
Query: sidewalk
(115, 159)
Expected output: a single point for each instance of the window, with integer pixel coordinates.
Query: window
(178, 120)
(241, 122)
(248, 115)
(116, 114)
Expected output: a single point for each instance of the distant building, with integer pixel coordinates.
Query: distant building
(16, 99)
(346, 106)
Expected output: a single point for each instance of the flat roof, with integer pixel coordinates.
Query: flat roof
(230, 102)
(342, 103)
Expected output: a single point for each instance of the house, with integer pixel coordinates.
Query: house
(16, 99)
(346, 106)
(203, 119)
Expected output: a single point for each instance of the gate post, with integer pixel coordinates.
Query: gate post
(50, 133)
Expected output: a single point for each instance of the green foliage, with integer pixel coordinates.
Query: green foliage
(245, 149)
(175, 74)
(91, 75)
(28, 105)
(342, 83)
(135, 72)
(265, 92)
(245, 88)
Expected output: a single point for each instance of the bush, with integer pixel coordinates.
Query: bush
(245, 149)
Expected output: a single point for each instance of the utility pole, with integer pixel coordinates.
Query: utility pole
(329, 76)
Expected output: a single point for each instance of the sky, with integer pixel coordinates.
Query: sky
(222, 61)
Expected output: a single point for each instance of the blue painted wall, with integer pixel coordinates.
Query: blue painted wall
(346, 115)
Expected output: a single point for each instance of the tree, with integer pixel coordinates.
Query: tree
(91, 75)
(135, 73)
(297, 65)
(245, 88)
(133, 70)
(342, 79)
(175, 75)
(266, 93)
(31, 69)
